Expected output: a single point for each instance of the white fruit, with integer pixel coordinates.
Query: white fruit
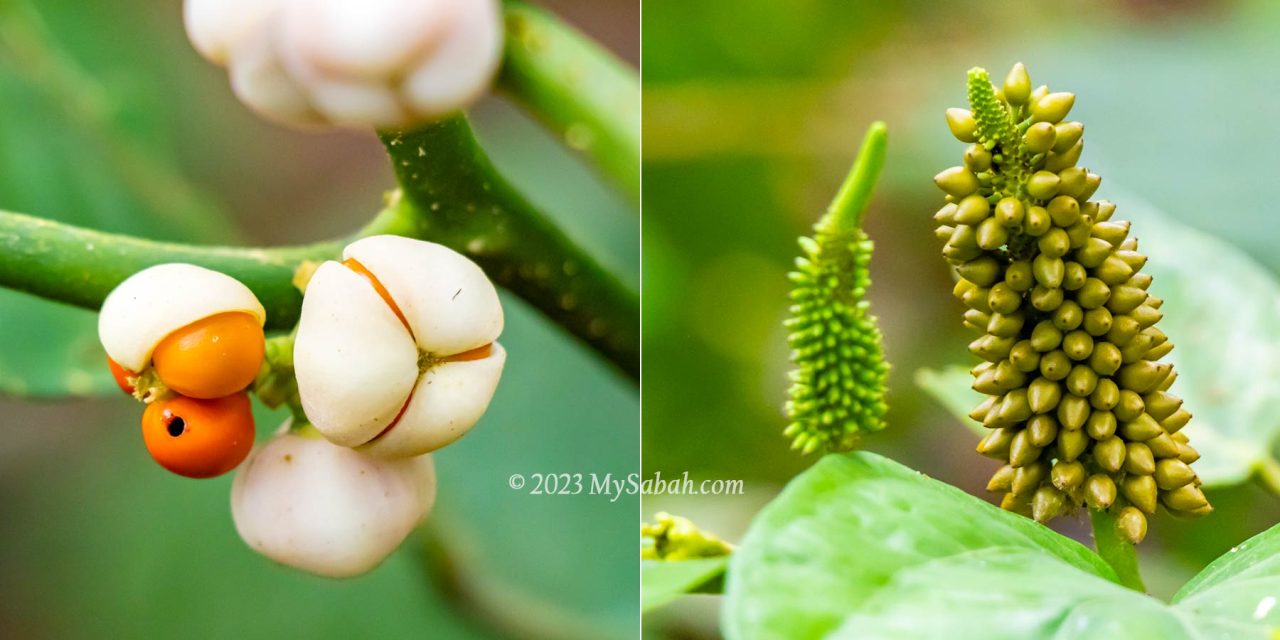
(381, 63)
(307, 503)
(365, 380)
(149, 305)
(218, 27)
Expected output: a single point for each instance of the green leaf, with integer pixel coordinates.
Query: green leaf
(853, 523)
(662, 581)
(862, 547)
(1241, 585)
(1222, 310)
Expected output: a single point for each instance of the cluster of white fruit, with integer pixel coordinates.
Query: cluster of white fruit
(395, 357)
(381, 63)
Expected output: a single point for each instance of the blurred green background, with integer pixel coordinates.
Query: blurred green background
(752, 114)
(111, 120)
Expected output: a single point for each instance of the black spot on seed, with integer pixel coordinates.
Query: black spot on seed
(177, 426)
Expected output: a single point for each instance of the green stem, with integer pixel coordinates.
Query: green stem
(577, 89)
(1120, 554)
(452, 194)
(1268, 475)
(851, 201)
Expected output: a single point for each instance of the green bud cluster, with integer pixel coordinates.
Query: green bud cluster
(676, 538)
(1078, 405)
(838, 385)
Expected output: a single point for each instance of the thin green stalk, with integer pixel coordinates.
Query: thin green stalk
(463, 202)
(577, 89)
(1119, 553)
(1268, 475)
(851, 201)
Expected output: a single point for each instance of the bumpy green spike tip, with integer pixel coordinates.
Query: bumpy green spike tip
(995, 125)
(838, 384)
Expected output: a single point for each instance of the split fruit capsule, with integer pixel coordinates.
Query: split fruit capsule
(395, 351)
(307, 503)
(199, 438)
(199, 330)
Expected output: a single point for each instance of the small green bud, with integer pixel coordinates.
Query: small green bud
(1003, 298)
(1027, 478)
(1039, 92)
(1171, 473)
(1094, 252)
(1138, 459)
(959, 182)
(1053, 107)
(1064, 211)
(1109, 454)
(1054, 243)
(1163, 446)
(972, 209)
(977, 158)
(1047, 503)
(1078, 233)
(1058, 161)
(1160, 351)
(1141, 491)
(1008, 377)
(1131, 525)
(1002, 480)
(1074, 276)
(1136, 349)
(1114, 271)
(1021, 451)
(1187, 454)
(1105, 359)
(1045, 336)
(1093, 294)
(1143, 376)
(1140, 280)
(1091, 183)
(1130, 406)
(1044, 298)
(980, 412)
(1141, 428)
(1038, 222)
(1043, 395)
(962, 124)
(1177, 421)
(1015, 408)
(996, 444)
(1077, 344)
(983, 271)
(1019, 277)
(1039, 137)
(1100, 491)
(1123, 329)
(1105, 209)
(1017, 85)
(1041, 430)
(1048, 271)
(1113, 232)
(1067, 134)
(1134, 259)
(1024, 357)
(1082, 381)
(1188, 497)
(1106, 396)
(1042, 185)
(946, 215)
(1010, 212)
(1146, 315)
(992, 235)
(976, 298)
(1055, 365)
(1125, 299)
(1097, 322)
(1073, 412)
(1100, 425)
(1161, 405)
(1071, 444)
(1073, 181)
(1067, 316)
(944, 232)
(1067, 475)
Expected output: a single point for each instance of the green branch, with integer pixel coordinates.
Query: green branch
(577, 89)
(453, 195)
(1117, 552)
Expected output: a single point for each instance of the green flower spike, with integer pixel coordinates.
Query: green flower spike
(838, 386)
(1077, 399)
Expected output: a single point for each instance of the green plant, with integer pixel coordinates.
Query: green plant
(861, 546)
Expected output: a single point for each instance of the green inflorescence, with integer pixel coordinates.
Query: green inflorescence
(676, 538)
(1077, 398)
(838, 384)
